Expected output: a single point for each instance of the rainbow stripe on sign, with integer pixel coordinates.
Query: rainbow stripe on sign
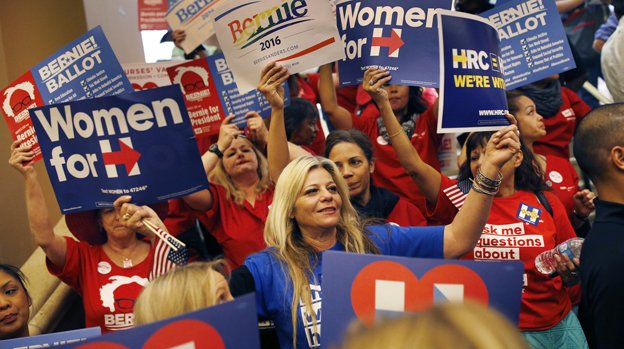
(252, 29)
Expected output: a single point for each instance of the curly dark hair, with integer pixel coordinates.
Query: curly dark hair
(528, 176)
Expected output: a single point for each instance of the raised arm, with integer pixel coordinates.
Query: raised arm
(202, 200)
(338, 116)
(426, 177)
(54, 246)
(271, 86)
(463, 233)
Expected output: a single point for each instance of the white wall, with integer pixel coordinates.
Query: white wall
(119, 20)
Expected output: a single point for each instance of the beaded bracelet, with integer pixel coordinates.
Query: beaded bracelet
(481, 190)
(489, 182)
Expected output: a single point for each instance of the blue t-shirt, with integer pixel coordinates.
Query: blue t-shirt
(274, 294)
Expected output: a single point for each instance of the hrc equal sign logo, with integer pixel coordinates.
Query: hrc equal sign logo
(448, 293)
(390, 296)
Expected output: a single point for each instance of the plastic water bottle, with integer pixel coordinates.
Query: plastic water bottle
(545, 262)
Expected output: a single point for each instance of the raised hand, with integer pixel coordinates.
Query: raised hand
(257, 129)
(271, 84)
(178, 36)
(503, 145)
(131, 216)
(374, 79)
(227, 133)
(20, 158)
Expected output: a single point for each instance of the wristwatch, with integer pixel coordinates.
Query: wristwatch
(214, 148)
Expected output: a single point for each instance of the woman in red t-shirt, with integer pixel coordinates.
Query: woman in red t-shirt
(111, 265)
(519, 226)
(418, 121)
(562, 110)
(559, 173)
(236, 205)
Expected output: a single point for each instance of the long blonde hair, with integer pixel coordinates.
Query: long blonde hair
(219, 176)
(181, 290)
(466, 325)
(282, 232)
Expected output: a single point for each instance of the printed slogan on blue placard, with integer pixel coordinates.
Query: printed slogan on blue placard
(232, 324)
(532, 40)
(472, 88)
(139, 144)
(230, 97)
(398, 35)
(369, 287)
(85, 68)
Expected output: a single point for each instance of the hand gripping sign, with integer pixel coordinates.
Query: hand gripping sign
(229, 325)
(84, 68)
(299, 34)
(139, 144)
(398, 35)
(472, 86)
(195, 18)
(532, 39)
(369, 287)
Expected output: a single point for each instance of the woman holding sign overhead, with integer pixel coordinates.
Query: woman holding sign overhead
(416, 119)
(524, 221)
(111, 264)
(312, 213)
(236, 205)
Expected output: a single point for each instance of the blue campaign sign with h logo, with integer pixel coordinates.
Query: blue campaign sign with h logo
(139, 144)
(369, 287)
(472, 86)
(398, 35)
(229, 325)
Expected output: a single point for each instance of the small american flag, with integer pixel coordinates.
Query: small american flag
(457, 193)
(165, 257)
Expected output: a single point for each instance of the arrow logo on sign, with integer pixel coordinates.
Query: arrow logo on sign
(126, 156)
(393, 42)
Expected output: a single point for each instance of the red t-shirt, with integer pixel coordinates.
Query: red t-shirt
(108, 291)
(389, 173)
(563, 180)
(406, 214)
(560, 128)
(238, 229)
(520, 228)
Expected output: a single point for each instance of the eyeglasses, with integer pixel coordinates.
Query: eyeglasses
(194, 86)
(124, 303)
(19, 106)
